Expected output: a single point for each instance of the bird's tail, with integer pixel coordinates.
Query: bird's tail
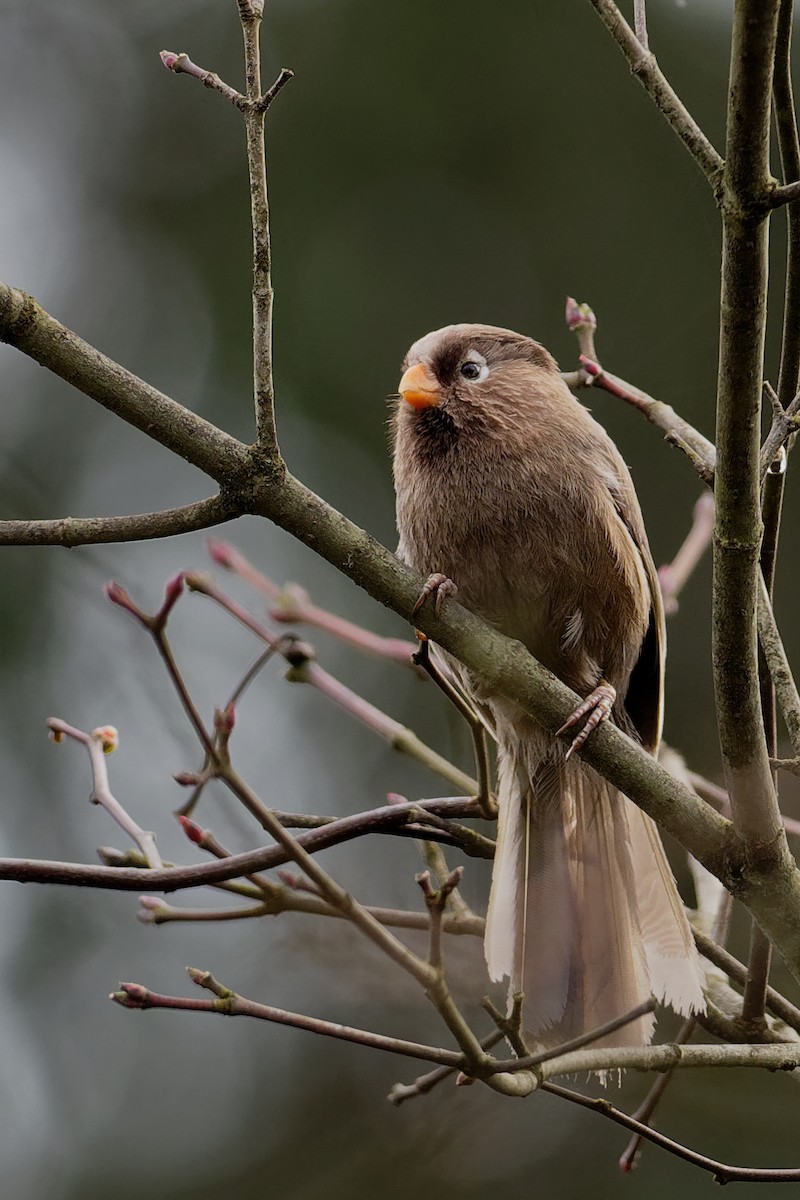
(584, 914)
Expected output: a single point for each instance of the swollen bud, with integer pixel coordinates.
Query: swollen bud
(108, 737)
(225, 719)
(192, 830)
(579, 316)
(117, 595)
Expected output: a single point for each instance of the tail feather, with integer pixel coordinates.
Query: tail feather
(675, 974)
(584, 914)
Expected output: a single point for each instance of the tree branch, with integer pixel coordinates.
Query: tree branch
(722, 1172)
(90, 531)
(99, 743)
(263, 384)
(738, 529)
(24, 324)
(133, 879)
(701, 452)
(644, 66)
(229, 1004)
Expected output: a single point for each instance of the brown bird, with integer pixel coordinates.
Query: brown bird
(509, 489)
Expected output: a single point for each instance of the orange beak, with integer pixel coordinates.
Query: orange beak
(419, 387)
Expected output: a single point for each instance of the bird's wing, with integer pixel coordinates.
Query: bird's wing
(644, 700)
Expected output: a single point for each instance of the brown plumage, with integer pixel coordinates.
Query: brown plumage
(506, 485)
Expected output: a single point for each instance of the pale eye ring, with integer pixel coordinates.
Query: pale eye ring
(472, 370)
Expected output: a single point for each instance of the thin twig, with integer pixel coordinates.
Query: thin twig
(181, 64)
(779, 668)
(673, 576)
(722, 1172)
(701, 452)
(525, 1062)
(644, 1113)
(644, 66)
(436, 902)
(476, 724)
(754, 998)
(304, 669)
(785, 425)
(401, 1092)
(640, 23)
(263, 384)
(99, 743)
(291, 606)
(133, 995)
(737, 971)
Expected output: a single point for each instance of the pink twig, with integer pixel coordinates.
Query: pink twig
(305, 669)
(181, 64)
(134, 995)
(292, 606)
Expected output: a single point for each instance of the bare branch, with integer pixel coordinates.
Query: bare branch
(640, 23)
(788, 193)
(263, 102)
(89, 531)
(291, 606)
(698, 449)
(132, 879)
(630, 1156)
(737, 538)
(181, 64)
(99, 743)
(737, 971)
(783, 1057)
(785, 424)
(229, 1004)
(722, 1172)
(425, 1083)
(644, 66)
(263, 383)
(674, 575)
(305, 669)
(28, 327)
(779, 668)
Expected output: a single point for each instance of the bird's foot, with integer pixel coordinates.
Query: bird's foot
(438, 586)
(596, 708)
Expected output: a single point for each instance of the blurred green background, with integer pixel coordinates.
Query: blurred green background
(430, 163)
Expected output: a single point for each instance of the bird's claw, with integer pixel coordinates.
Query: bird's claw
(598, 705)
(440, 587)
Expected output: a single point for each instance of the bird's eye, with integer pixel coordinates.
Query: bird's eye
(470, 369)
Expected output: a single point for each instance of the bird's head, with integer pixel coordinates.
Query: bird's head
(477, 378)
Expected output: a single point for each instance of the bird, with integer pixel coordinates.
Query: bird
(511, 496)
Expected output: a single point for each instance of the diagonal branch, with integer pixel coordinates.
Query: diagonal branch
(24, 324)
(722, 1172)
(644, 66)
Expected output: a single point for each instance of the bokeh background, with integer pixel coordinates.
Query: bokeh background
(430, 163)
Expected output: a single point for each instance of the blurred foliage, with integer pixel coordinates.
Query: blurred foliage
(430, 163)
